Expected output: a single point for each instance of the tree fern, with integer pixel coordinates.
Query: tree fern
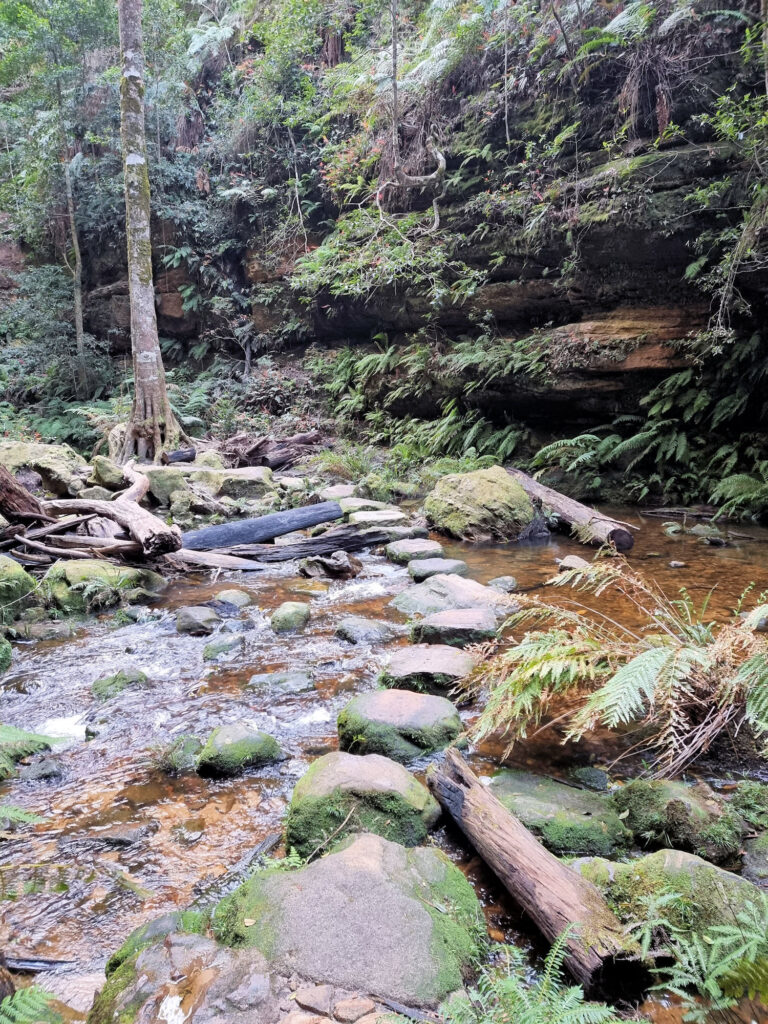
(15, 744)
(28, 1006)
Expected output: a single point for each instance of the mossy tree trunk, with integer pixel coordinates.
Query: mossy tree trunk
(77, 280)
(152, 426)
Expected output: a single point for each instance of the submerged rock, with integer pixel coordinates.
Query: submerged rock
(662, 813)
(442, 593)
(109, 686)
(239, 598)
(401, 924)
(484, 503)
(427, 667)
(289, 616)
(222, 645)
(458, 627)
(358, 630)
(566, 819)
(504, 584)
(402, 551)
(230, 749)
(421, 569)
(197, 620)
(76, 584)
(369, 794)
(295, 680)
(400, 724)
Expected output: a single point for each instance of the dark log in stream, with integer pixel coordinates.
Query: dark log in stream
(16, 502)
(587, 523)
(254, 531)
(553, 895)
(343, 538)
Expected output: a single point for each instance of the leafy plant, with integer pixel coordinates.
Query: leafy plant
(16, 744)
(29, 1006)
(685, 679)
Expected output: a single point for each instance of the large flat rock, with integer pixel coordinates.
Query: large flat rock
(442, 593)
(458, 627)
(484, 503)
(396, 923)
(420, 569)
(400, 724)
(402, 551)
(378, 517)
(427, 667)
(342, 793)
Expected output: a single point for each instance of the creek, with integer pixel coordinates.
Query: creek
(122, 841)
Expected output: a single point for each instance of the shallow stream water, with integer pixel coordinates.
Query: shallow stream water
(122, 842)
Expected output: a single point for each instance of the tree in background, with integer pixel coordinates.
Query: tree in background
(152, 425)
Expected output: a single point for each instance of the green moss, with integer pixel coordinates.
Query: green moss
(359, 735)
(484, 502)
(231, 749)
(189, 921)
(6, 655)
(181, 756)
(109, 686)
(105, 1007)
(16, 585)
(751, 801)
(249, 902)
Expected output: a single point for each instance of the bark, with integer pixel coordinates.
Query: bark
(77, 281)
(553, 895)
(152, 425)
(344, 538)
(211, 560)
(16, 502)
(587, 523)
(252, 531)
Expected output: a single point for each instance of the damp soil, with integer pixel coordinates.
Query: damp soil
(121, 841)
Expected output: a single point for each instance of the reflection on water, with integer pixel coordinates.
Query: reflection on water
(128, 842)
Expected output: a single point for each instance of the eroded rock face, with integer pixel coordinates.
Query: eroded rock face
(342, 793)
(485, 503)
(567, 820)
(362, 918)
(400, 724)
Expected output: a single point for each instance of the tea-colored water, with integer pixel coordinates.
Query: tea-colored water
(122, 842)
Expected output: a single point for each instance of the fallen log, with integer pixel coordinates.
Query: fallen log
(183, 559)
(343, 538)
(154, 536)
(589, 525)
(250, 450)
(553, 895)
(252, 531)
(182, 455)
(16, 502)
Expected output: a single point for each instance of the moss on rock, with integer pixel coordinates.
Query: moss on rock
(76, 584)
(110, 686)
(398, 723)
(16, 586)
(6, 655)
(486, 502)
(230, 749)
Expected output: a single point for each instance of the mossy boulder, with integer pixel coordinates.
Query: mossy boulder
(230, 749)
(369, 794)
(107, 473)
(400, 724)
(6, 655)
(16, 588)
(290, 616)
(77, 583)
(427, 667)
(402, 924)
(567, 820)
(57, 464)
(685, 817)
(754, 861)
(484, 503)
(181, 755)
(110, 686)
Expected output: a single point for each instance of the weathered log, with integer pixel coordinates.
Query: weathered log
(343, 538)
(252, 531)
(154, 536)
(182, 455)
(49, 549)
(589, 525)
(211, 560)
(250, 450)
(16, 502)
(553, 895)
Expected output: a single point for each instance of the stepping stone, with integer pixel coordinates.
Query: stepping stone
(573, 562)
(357, 630)
(504, 584)
(455, 627)
(396, 533)
(296, 680)
(443, 593)
(239, 598)
(197, 620)
(380, 794)
(427, 667)
(400, 724)
(349, 505)
(337, 491)
(231, 749)
(421, 569)
(380, 517)
(289, 616)
(402, 551)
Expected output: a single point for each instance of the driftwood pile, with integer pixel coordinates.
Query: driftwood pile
(251, 450)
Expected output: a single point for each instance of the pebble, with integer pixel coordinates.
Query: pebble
(677, 565)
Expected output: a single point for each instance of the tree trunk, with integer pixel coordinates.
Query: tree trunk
(553, 895)
(77, 281)
(152, 425)
(342, 538)
(587, 523)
